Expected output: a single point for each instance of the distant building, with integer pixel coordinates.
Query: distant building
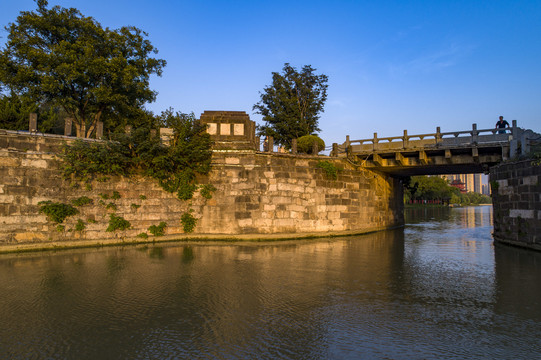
(467, 182)
(459, 185)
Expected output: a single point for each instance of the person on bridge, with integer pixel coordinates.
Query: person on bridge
(501, 124)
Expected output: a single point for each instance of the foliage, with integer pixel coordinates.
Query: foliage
(305, 144)
(82, 201)
(111, 206)
(174, 166)
(291, 105)
(80, 226)
(56, 212)
(189, 154)
(15, 110)
(135, 206)
(117, 223)
(188, 221)
(142, 197)
(116, 195)
(470, 198)
(142, 235)
(436, 188)
(207, 190)
(84, 160)
(61, 57)
(329, 168)
(429, 188)
(158, 230)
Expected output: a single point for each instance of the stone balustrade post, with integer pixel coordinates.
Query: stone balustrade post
(438, 134)
(33, 122)
(257, 143)
(334, 151)
(514, 129)
(99, 130)
(475, 134)
(270, 144)
(405, 139)
(294, 146)
(375, 141)
(68, 122)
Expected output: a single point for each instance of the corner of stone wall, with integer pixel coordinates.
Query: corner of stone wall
(516, 197)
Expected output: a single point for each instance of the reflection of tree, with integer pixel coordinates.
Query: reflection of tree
(187, 254)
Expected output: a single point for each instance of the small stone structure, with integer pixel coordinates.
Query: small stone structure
(516, 194)
(230, 130)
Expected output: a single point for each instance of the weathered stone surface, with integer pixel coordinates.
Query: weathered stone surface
(517, 204)
(257, 193)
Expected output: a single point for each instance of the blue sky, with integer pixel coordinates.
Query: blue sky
(392, 65)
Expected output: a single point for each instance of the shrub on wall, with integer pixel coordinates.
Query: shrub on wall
(158, 230)
(56, 212)
(82, 201)
(305, 144)
(188, 221)
(207, 190)
(328, 167)
(174, 166)
(117, 223)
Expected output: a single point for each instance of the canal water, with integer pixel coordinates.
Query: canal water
(436, 289)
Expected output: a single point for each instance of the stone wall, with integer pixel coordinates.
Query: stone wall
(257, 193)
(516, 192)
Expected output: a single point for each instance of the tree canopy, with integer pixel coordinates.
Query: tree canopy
(430, 188)
(436, 188)
(60, 57)
(292, 104)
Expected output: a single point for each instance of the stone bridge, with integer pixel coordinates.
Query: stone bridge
(455, 152)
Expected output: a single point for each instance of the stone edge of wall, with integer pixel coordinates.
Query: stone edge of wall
(517, 193)
(184, 239)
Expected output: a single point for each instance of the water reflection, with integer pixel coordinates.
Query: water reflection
(410, 293)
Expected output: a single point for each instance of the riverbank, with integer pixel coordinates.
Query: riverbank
(188, 238)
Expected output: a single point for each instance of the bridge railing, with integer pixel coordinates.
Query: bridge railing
(437, 139)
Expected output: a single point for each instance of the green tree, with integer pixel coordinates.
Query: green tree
(14, 111)
(429, 188)
(291, 105)
(61, 57)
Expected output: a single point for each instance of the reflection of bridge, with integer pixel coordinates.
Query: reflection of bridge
(471, 151)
